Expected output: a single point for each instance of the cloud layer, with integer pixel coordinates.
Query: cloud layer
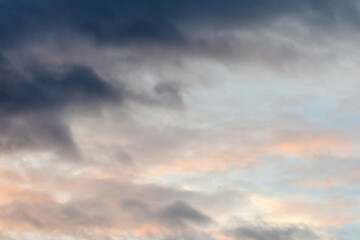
(169, 119)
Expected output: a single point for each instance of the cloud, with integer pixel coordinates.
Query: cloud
(170, 94)
(108, 204)
(176, 214)
(179, 212)
(36, 97)
(49, 215)
(160, 22)
(163, 94)
(124, 158)
(136, 61)
(267, 231)
(40, 89)
(31, 102)
(36, 132)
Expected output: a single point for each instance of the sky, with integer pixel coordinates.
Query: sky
(179, 120)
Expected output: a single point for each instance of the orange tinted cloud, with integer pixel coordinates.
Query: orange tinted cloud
(312, 144)
(324, 183)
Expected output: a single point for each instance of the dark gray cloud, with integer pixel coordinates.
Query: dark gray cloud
(124, 158)
(40, 89)
(162, 94)
(176, 214)
(33, 98)
(4, 66)
(180, 212)
(266, 231)
(31, 101)
(36, 132)
(159, 21)
(170, 94)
